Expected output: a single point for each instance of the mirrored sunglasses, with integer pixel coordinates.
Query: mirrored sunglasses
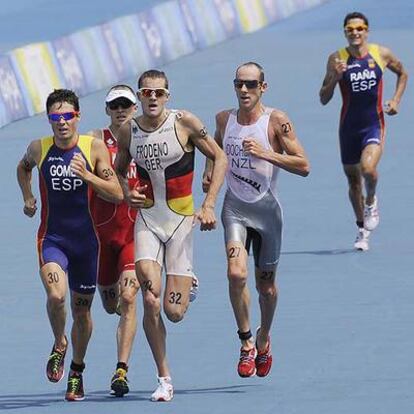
(66, 116)
(250, 84)
(159, 92)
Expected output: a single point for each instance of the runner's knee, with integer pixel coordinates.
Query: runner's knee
(128, 297)
(266, 290)
(174, 314)
(152, 303)
(237, 276)
(55, 301)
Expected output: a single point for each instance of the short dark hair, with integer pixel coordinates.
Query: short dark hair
(153, 74)
(62, 95)
(261, 70)
(355, 15)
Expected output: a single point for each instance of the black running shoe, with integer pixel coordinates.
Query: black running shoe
(55, 364)
(74, 391)
(119, 383)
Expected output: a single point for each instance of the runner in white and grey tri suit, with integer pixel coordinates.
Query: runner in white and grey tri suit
(257, 141)
(251, 211)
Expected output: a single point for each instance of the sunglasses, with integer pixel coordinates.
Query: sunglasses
(123, 103)
(250, 84)
(359, 28)
(66, 116)
(159, 92)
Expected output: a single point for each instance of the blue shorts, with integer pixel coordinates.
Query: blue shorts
(78, 259)
(353, 142)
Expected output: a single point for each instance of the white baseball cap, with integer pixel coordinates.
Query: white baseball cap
(121, 93)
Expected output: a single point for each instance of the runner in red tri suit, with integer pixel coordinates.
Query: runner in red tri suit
(117, 282)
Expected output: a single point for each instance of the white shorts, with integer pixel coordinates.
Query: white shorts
(176, 254)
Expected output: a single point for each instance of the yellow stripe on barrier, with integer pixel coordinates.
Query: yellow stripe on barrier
(38, 73)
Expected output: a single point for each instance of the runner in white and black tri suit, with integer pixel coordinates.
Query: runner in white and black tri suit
(257, 141)
(162, 143)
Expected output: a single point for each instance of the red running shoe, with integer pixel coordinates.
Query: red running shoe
(55, 364)
(247, 365)
(74, 391)
(263, 359)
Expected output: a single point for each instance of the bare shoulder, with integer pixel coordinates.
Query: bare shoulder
(97, 144)
(278, 117)
(186, 118)
(386, 53)
(34, 152)
(96, 133)
(222, 117)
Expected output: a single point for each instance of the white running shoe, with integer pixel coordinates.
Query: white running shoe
(371, 215)
(164, 391)
(194, 289)
(362, 240)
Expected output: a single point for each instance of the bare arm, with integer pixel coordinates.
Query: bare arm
(221, 120)
(103, 180)
(24, 177)
(287, 152)
(335, 69)
(134, 197)
(198, 135)
(395, 66)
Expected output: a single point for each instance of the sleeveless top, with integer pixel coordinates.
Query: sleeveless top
(361, 89)
(167, 170)
(249, 178)
(65, 211)
(105, 212)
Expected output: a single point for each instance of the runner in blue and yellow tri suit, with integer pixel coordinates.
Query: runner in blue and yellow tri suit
(358, 69)
(70, 166)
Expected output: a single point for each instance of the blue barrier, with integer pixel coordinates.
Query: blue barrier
(99, 56)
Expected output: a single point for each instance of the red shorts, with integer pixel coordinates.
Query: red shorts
(117, 249)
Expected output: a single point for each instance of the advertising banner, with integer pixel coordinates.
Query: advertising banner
(153, 36)
(229, 17)
(36, 67)
(13, 105)
(203, 22)
(252, 15)
(69, 65)
(121, 66)
(94, 58)
(176, 38)
(132, 44)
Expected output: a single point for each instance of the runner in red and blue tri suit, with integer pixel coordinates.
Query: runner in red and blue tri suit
(70, 167)
(117, 282)
(358, 69)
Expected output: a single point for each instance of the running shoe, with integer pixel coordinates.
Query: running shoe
(164, 391)
(263, 359)
(74, 391)
(371, 215)
(247, 364)
(119, 383)
(362, 240)
(55, 364)
(194, 289)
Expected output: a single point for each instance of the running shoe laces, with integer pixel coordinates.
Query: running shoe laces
(74, 391)
(247, 365)
(371, 215)
(55, 364)
(164, 391)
